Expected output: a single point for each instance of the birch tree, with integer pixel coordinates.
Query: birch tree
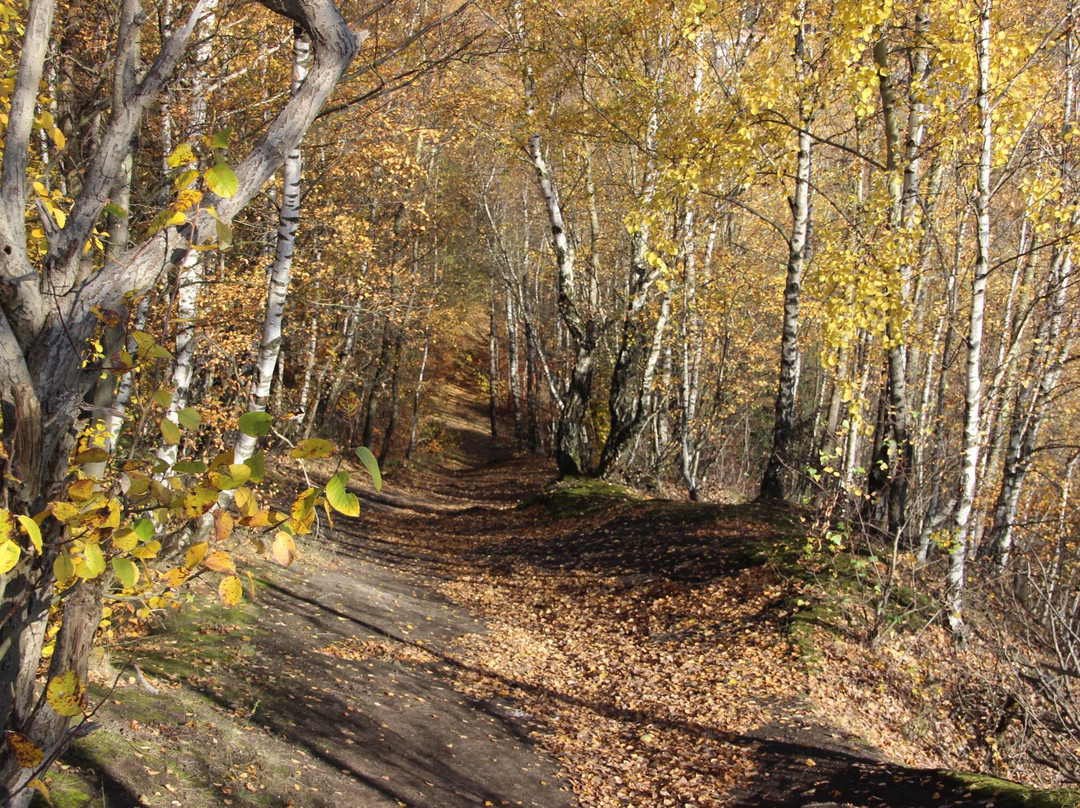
(772, 483)
(976, 320)
(281, 269)
(49, 319)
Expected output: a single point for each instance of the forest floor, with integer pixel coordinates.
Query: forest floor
(480, 638)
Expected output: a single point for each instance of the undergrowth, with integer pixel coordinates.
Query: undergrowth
(866, 620)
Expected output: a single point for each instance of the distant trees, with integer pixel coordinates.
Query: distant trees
(880, 214)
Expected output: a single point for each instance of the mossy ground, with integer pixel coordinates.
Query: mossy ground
(581, 496)
(1007, 794)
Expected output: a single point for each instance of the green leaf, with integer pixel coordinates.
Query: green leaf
(170, 432)
(189, 418)
(144, 529)
(63, 569)
(189, 467)
(163, 398)
(9, 555)
(93, 562)
(341, 500)
(224, 235)
(257, 464)
(255, 424)
(115, 211)
(372, 466)
(149, 347)
(221, 180)
(219, 140)
(312, 448)
(32, 530)
(126, 571)
(66, 694)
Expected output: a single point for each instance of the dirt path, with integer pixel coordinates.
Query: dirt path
(450, 648)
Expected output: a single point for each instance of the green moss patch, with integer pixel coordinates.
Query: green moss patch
(584, 496)
(1007, 794)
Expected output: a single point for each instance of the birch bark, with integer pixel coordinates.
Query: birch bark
(957, 571)
(281, 270)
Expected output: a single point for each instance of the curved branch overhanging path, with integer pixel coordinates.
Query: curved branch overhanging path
(453, 649)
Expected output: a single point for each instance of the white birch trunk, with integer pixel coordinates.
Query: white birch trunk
(414, 432)
(493, 362)
(281, 270)
(973, 376)
(190, 272)
(772, 483)
(513, 369)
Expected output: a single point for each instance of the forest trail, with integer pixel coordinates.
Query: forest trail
(454, 648)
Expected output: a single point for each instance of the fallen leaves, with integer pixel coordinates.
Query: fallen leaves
(648, 685)
(360, 650)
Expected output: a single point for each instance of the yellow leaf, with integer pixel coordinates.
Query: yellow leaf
(27, 754)
(195, 554)
(125, 540)
(284, 549)
(41, 788)
(185, 179)
(230, 590)
(65, 512)
(199, 502)
(66, 694)
(64, 569)
(9, 555)
(82, 490)
(188, 198)
(245, 502)
(104, 518)
(148, 550)
(258, 519)
(32, 530)
(176, 576)
(223, 524)
(93, 562)
(219, 561)
(339, 498)
(180, 155)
